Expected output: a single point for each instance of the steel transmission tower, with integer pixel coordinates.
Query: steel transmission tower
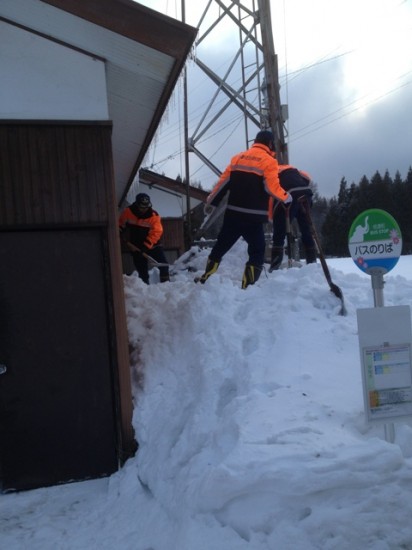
(248, 85)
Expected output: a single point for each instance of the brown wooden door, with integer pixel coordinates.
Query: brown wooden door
(57, 412)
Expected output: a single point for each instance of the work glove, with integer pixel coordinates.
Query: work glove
(208, 209)
(288, 199)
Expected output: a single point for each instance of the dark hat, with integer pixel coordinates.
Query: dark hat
(265, 137)
(143, 200)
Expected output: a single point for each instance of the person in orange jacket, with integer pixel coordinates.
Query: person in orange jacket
(249, 180)
(297, 183)
(141, 230)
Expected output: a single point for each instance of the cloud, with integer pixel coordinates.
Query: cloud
(349, 109)
(332, 135)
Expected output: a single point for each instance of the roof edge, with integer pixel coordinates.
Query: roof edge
(132, 20)
(152, 178)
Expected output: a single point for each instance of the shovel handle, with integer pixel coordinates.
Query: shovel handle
(288, 233)
(334, 288)
(134, 248)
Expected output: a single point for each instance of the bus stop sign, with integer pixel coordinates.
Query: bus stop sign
(375, 241)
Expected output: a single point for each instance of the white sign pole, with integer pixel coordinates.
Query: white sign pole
(375, 244)
(377, 287)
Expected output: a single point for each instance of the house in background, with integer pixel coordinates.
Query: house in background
(84, 84)
(169, 198)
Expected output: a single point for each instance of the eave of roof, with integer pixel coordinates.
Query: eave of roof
(134, 21)
(151, 178)
(144, 52)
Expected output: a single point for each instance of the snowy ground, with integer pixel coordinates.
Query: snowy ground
(250, 419)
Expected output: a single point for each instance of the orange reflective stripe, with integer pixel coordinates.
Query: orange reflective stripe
(257, 161)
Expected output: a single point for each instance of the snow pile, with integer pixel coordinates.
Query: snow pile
(249, 415)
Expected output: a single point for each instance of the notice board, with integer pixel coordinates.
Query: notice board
(385, 352)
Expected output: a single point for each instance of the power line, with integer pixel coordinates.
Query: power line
(170, 134)
(374, 100)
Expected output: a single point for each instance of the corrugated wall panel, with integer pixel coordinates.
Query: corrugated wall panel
(173, 236)
(53, 174)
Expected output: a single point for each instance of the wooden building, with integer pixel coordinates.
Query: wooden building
(170, 199)
(84, 84)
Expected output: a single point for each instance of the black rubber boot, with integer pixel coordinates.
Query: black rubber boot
(276, 258)
(251, 274)
(310, 254)
(211, 267)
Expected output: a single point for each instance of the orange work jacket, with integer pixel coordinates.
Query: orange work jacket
(250, 178)
(141, 230)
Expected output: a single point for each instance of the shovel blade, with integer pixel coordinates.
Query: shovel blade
(338, 293)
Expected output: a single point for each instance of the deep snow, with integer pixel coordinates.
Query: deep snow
(250, 419)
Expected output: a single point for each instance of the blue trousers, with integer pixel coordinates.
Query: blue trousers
(232, 229)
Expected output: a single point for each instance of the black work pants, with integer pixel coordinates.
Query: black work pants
(142, 264)
(235, 227)
(279, 225)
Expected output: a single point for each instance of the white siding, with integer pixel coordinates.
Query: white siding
(45, 80)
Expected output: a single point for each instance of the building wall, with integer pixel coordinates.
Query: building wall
(173, 238)
(43, 79)
(59, 176)
(54, 173)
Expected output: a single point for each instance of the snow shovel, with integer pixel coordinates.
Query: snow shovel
(289, 237)
(334, 288)
(212, 218)
(134, 248)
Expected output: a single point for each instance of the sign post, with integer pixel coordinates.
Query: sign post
(375, 244)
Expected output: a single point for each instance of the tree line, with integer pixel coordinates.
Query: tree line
(333, 217)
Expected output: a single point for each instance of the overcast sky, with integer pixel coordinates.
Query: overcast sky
(345, 70)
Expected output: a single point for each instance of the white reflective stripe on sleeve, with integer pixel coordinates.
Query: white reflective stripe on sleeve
(303, 188)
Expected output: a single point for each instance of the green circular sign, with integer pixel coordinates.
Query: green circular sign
(375, 241)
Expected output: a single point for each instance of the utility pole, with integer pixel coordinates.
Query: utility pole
(188, 231)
